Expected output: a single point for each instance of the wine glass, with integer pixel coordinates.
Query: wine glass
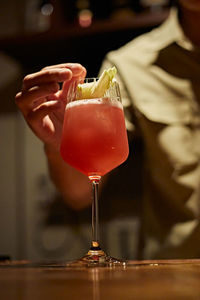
(94, 141)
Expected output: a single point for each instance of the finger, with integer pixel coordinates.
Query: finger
(46, 76)
(82, 74)
(43, 110)
(76, 68)
(28, 99)
(68, 92)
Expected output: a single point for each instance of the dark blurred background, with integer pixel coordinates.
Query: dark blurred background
(37, 33)
(34, 223)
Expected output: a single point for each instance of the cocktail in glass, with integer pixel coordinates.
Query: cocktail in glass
(94, 141)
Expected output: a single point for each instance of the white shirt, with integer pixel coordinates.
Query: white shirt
(159, 74)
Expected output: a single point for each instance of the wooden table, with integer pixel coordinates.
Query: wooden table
(167, 279)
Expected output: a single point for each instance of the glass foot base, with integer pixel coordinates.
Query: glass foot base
(95, 258)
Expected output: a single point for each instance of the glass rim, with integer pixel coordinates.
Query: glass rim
(113, 91)
(90, 79)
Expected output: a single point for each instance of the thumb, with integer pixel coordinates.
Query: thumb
(68, 92)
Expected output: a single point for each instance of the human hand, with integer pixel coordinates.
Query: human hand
(42, 103)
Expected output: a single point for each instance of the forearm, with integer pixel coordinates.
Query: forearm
(74, 187)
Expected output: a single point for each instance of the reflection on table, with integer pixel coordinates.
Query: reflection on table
(163, 279)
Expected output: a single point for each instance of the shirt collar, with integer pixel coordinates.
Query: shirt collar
(175, 31)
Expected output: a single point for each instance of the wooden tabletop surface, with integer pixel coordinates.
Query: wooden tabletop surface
(164, 279)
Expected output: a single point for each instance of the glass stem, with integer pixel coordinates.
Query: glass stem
(95, 214)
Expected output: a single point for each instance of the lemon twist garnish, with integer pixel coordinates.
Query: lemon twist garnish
(97, 89)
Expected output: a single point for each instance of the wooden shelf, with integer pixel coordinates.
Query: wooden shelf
(67, 31)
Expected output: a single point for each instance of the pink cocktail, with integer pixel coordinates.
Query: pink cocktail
(94, 139)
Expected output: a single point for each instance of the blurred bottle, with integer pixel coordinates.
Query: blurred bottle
(84, 13)
(38, 15)
(98, 9)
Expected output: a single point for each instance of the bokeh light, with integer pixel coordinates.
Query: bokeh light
(85, 18)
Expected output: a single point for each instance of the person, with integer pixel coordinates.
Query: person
(159, 75)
